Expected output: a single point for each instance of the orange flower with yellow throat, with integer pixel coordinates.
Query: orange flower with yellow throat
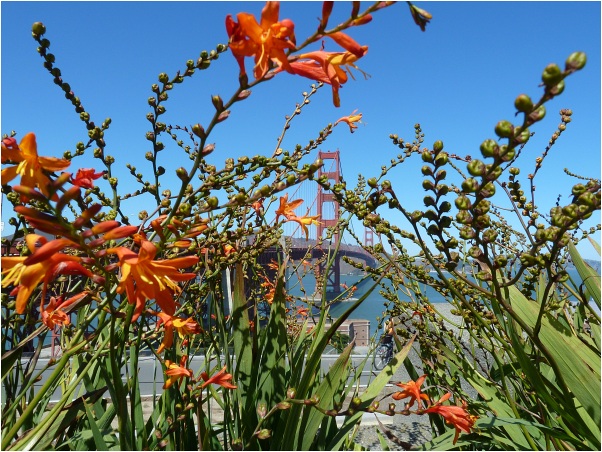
(29, 165)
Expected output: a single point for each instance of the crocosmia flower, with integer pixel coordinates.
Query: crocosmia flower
(143, 278)
(176, 372)
(29, 165)
(221, 378)
(85, 177)
(266, 40)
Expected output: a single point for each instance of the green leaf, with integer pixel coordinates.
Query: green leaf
(579, 365)
(372, 391)
(97, 435)
(590, 278)
(332, 384)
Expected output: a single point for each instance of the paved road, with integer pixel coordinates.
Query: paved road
(151, 374)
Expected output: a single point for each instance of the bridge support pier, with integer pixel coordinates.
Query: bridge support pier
(333, 278)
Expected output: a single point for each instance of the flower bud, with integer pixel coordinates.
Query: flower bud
(574, 62)
(523, 103)
(427, 156)
(470, 185)
(552, 75)
(291, 393)
(264, 434)
(38, 28)
(476, 168)
(198, 130)
(163, 77)
(182, 173)
(504, 129)
(218, 103)
(372, 182)
(426, 171)
(462, 202)
(489, 148)
(467, 233)
(537, 115)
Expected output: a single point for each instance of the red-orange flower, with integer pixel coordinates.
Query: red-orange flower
(143, 278)
(328, 67)
(265, 41)
(411, 389)
(453, 415)
(304, 222)
(351, 120)
(184, 327)
(221, 378)
(85, 177)
(286, 209)
(54, 314)
(29, 165)
(26, 272)
(176, 372)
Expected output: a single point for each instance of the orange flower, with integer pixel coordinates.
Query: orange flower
(303, 311)
(221, 378)
(351, 120)
(328, 67)
(26, 272)
(54, 314)
(306, 221)
(411, 389)
(258, 206)
(453, 415)
(85, 177)
(286, 208)
(29, 165)
(266, 41)
(176, 372)
(143, 278)
(184, 327)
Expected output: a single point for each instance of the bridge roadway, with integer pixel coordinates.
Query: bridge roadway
(299, 249)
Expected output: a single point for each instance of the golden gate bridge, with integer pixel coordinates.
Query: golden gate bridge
(315, 245)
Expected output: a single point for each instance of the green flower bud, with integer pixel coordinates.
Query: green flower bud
(528, 260)
(551, 75)
(416, 216)
(523, 136)
(475, 252)
(537, 115)
(218, 103)
(438, 146)
(574, 62)
(476, 168)
(426, 170)
(482, 207)
(430, 215)
(372, 182)
(199, 131)
(514, 171)
(163, 77)
(433, 229)
(504, 129)
(428, 185)
(463, 217)
(38, 28)
(427, 156)
(523, 103)
(470, 185)
(445, 206)
(489, 148)
(462, 202)
(489, 236)
(429, 201)
(506, 154)
(488, 190)
(441, 159)
(467, 233)
(558, 89)
(500, 261)
(182, 173)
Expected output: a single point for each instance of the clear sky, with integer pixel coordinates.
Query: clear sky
(457, 80)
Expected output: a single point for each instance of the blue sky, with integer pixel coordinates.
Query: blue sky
(457, 80)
